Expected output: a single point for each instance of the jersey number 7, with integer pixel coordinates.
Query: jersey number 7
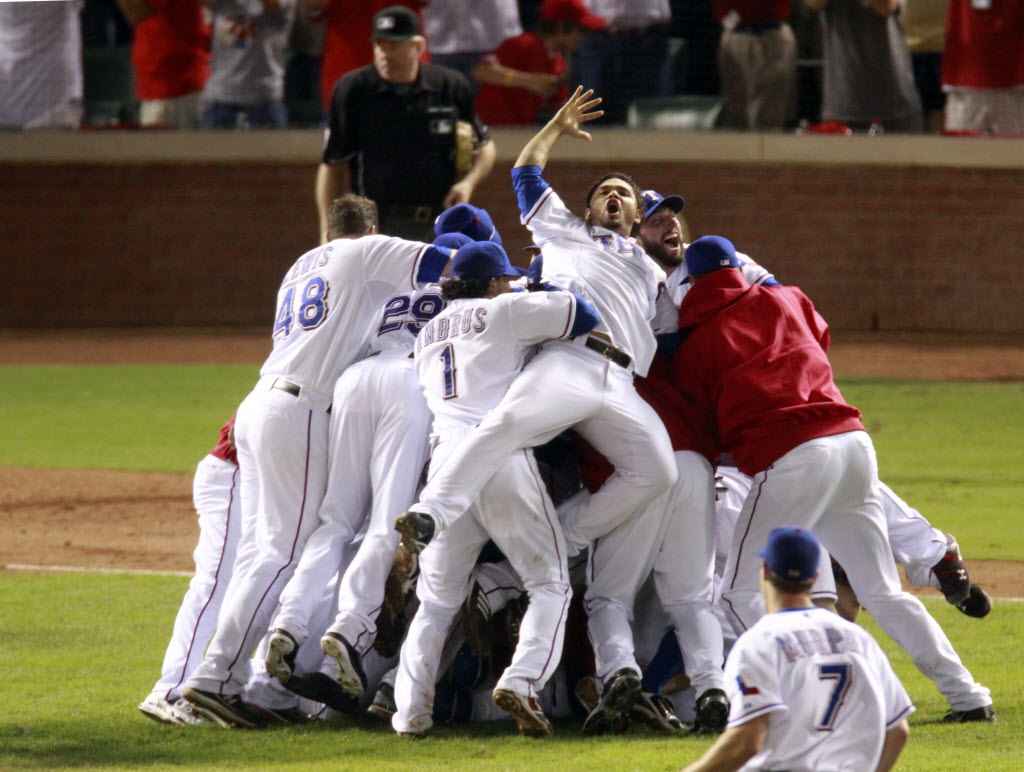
(841, 675)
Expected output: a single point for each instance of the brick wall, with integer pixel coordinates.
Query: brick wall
(886, 247)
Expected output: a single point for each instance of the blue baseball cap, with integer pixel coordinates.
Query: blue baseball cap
(452, 240)
(709, 253)
(653, 199)
(792, 553)
(471, 220)
(482, 260)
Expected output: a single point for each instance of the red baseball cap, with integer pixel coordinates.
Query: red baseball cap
(573, 11)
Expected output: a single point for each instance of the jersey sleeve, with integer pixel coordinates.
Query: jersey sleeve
(404, 264)
(541, 209)
(754, 273)
(751, 682)
(539, 316)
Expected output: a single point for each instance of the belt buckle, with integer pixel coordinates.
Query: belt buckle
(421, 213)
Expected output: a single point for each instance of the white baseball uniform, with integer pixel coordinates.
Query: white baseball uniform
(569, 385)
(828, 689)
(326, 307)
(465, 359)
(215, 494)
(377, 450)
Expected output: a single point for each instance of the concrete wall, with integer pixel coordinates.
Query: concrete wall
(137, 229)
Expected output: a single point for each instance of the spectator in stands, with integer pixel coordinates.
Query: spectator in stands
(756, 64)
(171, 59)
(983, 67)
(302, 71)
(346, 44)
(459, 34)
(868, 76)
(924, 28)
(528, 71)
(41, 65)
(403, 133)
(628, 58)
(246, 85)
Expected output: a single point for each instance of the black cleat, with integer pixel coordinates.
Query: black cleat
(984, 713)
(657, 712)
(611, 716)
(351, 677)
(954, 579)
(712, 712)
(978, 603)
(320, 687)
(416, 530)
(383, 705)
(224, 709)
(280, 662)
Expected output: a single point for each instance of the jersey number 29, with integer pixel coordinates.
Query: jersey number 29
(312, 308)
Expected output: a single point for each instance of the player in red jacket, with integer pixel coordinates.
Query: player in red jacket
(755, 358)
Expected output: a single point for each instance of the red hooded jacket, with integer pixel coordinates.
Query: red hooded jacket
(754, 357)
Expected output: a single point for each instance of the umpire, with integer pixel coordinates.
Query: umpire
(393, 134)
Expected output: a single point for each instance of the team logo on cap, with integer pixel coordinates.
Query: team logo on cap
(386, 22)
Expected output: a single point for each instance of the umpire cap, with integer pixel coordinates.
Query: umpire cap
(395, 22)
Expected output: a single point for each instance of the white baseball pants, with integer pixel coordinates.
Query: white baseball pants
(378, 447)
(215, 494)
(565, 385)
(915, 543)
(282, 453)
(830, 485)
(515, 511)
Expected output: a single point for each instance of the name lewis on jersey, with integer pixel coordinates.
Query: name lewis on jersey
(466, 321)
(312, 260)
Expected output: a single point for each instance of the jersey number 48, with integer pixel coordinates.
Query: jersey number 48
(312, 307)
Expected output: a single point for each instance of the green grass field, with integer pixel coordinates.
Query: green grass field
(80, 651)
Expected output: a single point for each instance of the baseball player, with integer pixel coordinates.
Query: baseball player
(465, 360)
(587, 383)
(808, 691)
(779, 414)
(215, 494)
(326, 308)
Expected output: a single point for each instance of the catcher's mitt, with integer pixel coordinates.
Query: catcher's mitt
(465, 142)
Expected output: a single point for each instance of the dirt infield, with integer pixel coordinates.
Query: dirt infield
(145, 521)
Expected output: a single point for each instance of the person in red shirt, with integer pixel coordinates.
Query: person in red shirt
(171, 58)
(755, 359)
(983, 67)
(527, 72)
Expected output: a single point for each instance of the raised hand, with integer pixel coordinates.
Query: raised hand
(579, 109)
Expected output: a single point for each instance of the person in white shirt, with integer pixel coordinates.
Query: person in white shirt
(808, 691)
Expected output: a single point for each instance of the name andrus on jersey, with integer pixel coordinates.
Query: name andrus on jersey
(462, 322)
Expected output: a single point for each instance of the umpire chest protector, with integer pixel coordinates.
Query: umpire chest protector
(400, 139)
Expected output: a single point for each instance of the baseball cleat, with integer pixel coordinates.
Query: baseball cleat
(586, 692)
(712, 712)
(476, 621)
(657, 712)
(185, 714)
(954, 579)
(224, 709)
(351, 677)
(279, 716)
(320, 687)
(416, 530)
(383, 705)
(984, 713)
(611, 715)
(978, 603)
(280, 662)
(529, 717)
(158, 708)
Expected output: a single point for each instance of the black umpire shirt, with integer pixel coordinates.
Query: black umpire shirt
(400, 139)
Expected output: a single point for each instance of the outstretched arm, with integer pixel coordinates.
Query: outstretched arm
(568, 120)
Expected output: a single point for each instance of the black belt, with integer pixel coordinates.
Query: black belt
(287, 386)
(291, 388)
(608, 351)
(414, 212)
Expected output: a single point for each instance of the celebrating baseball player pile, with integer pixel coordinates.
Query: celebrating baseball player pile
(652, 430)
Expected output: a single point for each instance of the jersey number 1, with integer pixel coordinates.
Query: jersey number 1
(448, 359)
